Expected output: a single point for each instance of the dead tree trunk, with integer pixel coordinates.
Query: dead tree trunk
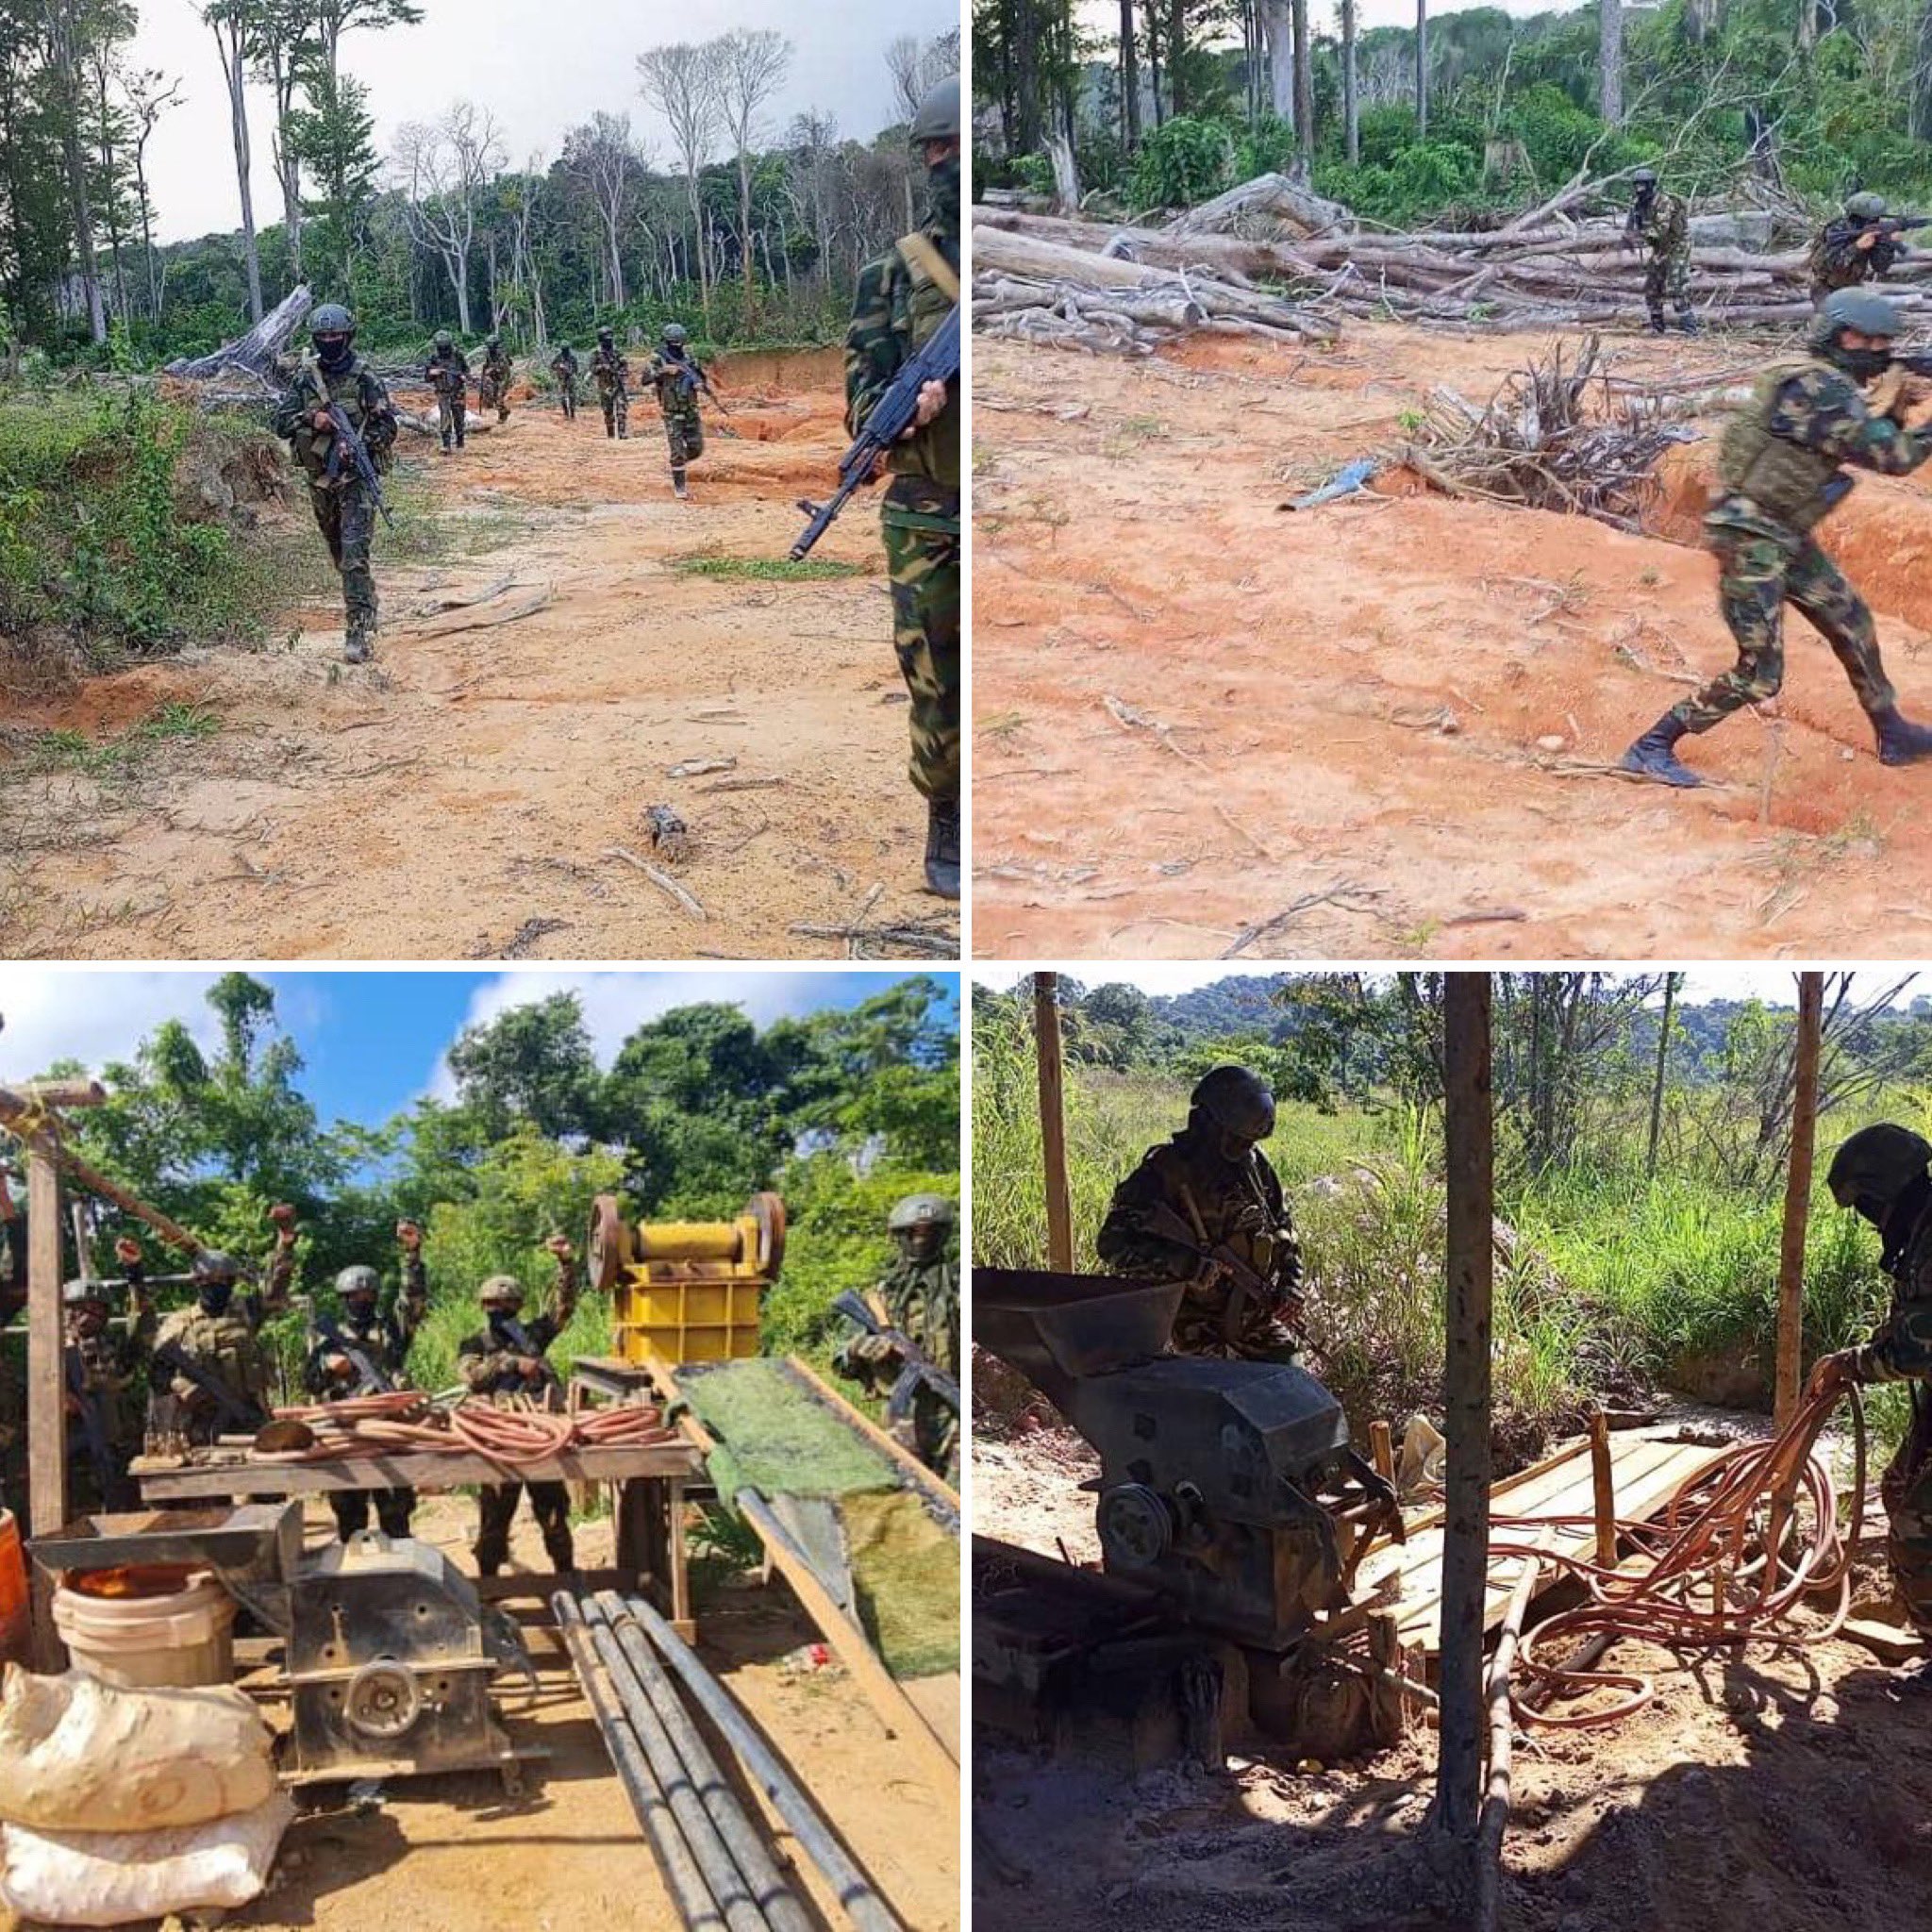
(1130, 81)
(1351, 107)
(1277, 31)
(259, 351)
(1610, 61)
(1421, 69)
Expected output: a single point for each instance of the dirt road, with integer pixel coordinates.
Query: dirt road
(1203, 724)
(466, 796)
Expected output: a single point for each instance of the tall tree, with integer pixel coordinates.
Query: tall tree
(66, 29)
(1609, 62)
(149, 94)
(282, 41)
(602, 155)
(444, 170)
(1130, 82)
(1421, 69)
(230, 22)
(681, 81)
(1351, 108)
(752, 65)
(333, 138)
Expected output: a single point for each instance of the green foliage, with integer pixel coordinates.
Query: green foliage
(1182, 162)
(766, 569)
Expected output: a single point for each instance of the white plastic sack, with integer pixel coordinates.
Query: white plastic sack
(78, 1754)
(118, 1878)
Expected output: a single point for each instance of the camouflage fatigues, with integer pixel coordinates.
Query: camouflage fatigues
(493, 385)
(674, 378)
(1665, 231)
(611, 374)
(563, 365)
(921, 1299)
(111, 1373)
(1836, 262)
(486, 1366)
(384, 1339)
(1902, 1351)
(900, 304)
(448, 371)
(1781, 467)
(1238, 1204)
(228, 1347)
(342, 505)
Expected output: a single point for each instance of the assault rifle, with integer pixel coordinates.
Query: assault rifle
(370, 1380)
(94, 1431)
(1893, 225)
(920, 1371)
(346, 440)
(893, 414)
(695, 378)
(1245, 1279)
(243, 1419)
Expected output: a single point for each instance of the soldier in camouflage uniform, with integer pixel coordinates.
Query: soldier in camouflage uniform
(342, 505)
(919, 1295)
(563, 365)
(448, 371)
(611, 374)
(901, 300)
(1662, 223)
(1851, 248)
(675, 375)
(506, 1362)
(366, 1353)
(107, 1378)
(1212, 1187)
(493, 384)
(1881, 1172)
(1780, 470)
(221, 1333)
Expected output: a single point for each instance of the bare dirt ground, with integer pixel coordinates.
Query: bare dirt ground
(1760, 1792)
(1332, 717)
(462, 796)
(451, 1854)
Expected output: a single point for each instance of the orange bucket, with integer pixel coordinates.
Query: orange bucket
(16, 1625)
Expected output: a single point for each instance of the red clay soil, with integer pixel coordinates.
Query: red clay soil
(1348, 716)
(1759, 1792)
(465, 797)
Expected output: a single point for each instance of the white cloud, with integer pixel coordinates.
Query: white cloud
(95, 1015)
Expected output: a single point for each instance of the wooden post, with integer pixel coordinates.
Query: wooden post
(1382, 1450)
(1053, 1122)
(46, 1406)
(1791, 1266)
(1469, 1150)
(1603, 1490)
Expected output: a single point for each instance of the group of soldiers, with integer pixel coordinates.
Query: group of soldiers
(902, 299)
(1207, 1208)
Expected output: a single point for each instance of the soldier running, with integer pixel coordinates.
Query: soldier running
(493, 385)
(1662, 222)
(366, 1354)
(107, 1376)
(1780, 468)
(903, 298)
(563, 365)
(675, 375)
(344, 506)
(448, 373)
(611, 374)
(1210, 1188)
(505, 1364)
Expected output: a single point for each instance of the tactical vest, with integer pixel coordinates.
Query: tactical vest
(1785, 480)
(934, 451)
(224, 1344)
(312, 446)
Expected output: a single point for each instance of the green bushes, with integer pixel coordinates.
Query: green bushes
(1182, 162)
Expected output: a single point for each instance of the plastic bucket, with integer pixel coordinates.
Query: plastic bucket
(16, 1623)
(146, 1625)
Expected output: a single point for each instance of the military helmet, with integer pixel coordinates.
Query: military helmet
(1877, 1163)
(496, 341)
(211, 1266)
(919, 1210)
(1237, 1100)
(1863, 310)
(1643, 177)
(502, 1291)
(331, 319)
(1865, 207)
(938, 118)
(359, 1279)
(80, 1294)
(677, 334)
(445, 339)
(606, 333)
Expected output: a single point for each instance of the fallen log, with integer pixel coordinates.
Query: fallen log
(1272, 197)
(259, 351)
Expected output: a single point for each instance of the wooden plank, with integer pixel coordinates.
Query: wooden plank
(426, 1471)
(902, 1457)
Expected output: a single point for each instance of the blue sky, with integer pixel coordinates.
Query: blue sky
(374, 1042)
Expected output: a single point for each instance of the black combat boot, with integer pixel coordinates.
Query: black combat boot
(677, 483)
(1688, 322)
(943, 846)
(1900, 741)
(358, 647)
(1655, 755)
(1657, 322)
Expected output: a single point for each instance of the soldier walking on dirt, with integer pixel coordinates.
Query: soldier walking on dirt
(343, 506)
(219, 1337)
(1662, 223)
(676, 376)
(919, 1295)
(1207, 1208)
(1881, 1172)
(903, 298)
(1780, 468)
(1854, 247)
(492, 386)
(107, 1377)
(448, 371)
(563, 365)
(365, 1354)
(611, 374)
(505, 1365)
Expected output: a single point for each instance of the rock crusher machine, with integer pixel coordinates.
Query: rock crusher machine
(1232, 1513)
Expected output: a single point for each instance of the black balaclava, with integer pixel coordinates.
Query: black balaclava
(215, 1297)
(942, 177)
(1896, 1227)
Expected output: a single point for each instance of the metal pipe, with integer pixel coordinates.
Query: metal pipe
(743, 1840)
(726, 1883)
(696, 1908)
(857, 1897)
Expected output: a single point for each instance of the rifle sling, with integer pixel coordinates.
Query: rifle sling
(922, 255)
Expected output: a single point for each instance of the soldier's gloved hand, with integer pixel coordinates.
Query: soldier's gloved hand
(528, 1367)
(338, 1365)
(1206, 1277)
(875, 1351)
(127, 1252)
(559, 1244)
(1832, 1373)
(932, 399)
(409, 1235)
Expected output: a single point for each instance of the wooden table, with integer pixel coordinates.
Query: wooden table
(649, 1486)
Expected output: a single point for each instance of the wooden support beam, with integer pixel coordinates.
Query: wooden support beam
(46, 1406)
(1053, 1122)
(1382, 1450)
(1790, 1263)
(1603, 1490)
